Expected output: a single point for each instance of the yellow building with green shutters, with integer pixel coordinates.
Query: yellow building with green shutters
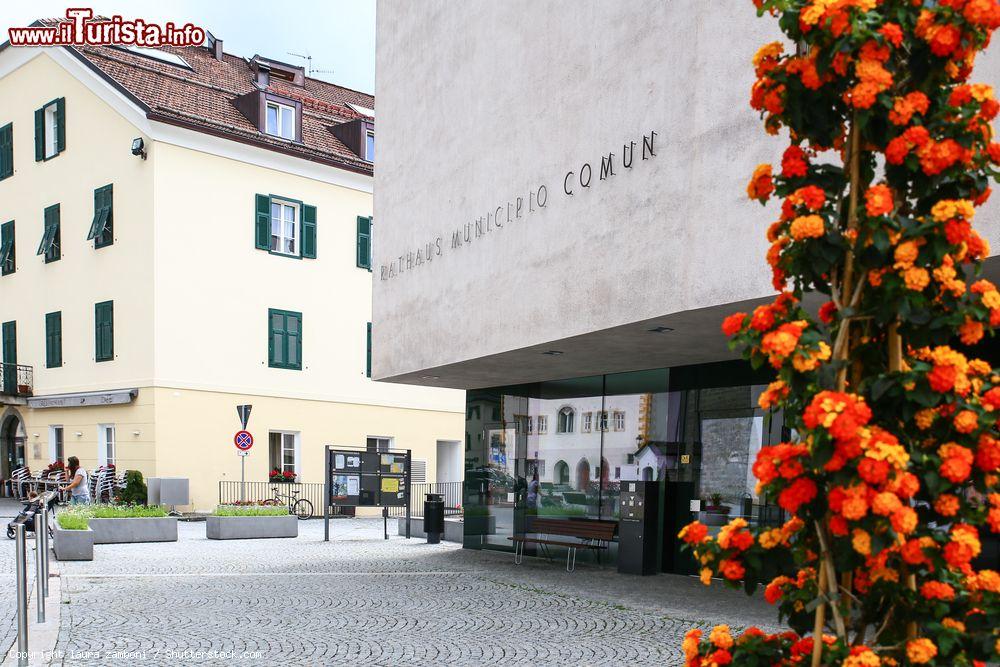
(183, 231)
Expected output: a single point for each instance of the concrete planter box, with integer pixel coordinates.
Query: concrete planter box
(454, 529)
(72, 544)
(139, 529)
(250, 527)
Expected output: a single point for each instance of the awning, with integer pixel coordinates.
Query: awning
(84, 399)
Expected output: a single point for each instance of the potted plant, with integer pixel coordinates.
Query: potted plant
(715, 513)
(117, 524)
(240, 522)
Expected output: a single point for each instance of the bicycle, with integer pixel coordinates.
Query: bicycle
(300, 507)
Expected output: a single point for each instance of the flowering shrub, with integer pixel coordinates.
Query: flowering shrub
(894, 473)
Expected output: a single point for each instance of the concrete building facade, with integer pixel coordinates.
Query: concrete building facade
(577, 232)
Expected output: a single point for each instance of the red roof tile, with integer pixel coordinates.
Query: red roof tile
(202, 98)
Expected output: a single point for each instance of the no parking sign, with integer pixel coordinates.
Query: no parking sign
(243, 440)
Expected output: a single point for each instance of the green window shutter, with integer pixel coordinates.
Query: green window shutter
(50, 235)
(7, 248)
(9, 343)
(364, 243)
(104, 331)
(39, 134)
(368, 362)
(60, 125)
(262, 222)
(284, 339)
(308, 245)
(53, 339)
(6, 150)
(102, 230)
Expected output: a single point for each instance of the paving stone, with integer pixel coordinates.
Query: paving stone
(363, 600)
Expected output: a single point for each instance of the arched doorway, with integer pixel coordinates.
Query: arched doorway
(582, 475)
(647, 473)
(604, 473)
(561, 473)
(11, 443)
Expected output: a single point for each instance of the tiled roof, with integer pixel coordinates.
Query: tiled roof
(202, 99)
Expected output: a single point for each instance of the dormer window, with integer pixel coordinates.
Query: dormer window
(370, 146)
(280, 120)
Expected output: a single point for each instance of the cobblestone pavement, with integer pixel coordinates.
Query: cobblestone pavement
(361, 600)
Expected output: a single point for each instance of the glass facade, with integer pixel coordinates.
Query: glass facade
(563, 449)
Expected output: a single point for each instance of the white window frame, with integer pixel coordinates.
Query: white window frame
(280, 110)
(370, 154)
(51, 131)
(619, 420)
(543, 424)
(296, 450)
(104, 446)
(588, 420)
(53, 451)
(278, 246)
(531, 425)
(564, 420)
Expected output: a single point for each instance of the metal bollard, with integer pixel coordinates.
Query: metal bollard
(39, 567)
(20, 559)
(45, 543)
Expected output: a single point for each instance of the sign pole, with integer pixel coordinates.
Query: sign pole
(409, 497)
(243, 467)
(326, 493)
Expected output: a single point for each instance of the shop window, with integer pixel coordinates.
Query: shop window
(565, 420)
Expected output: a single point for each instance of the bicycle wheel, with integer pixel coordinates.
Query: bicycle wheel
(302, 509)
(270, 502)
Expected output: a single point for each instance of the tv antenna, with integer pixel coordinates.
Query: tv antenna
(309, 64)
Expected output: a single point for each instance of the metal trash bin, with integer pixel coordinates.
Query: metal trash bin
(434, 517)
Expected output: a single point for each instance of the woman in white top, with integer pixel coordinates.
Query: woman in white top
(79, 484)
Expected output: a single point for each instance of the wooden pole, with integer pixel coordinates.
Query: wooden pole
(817, 654)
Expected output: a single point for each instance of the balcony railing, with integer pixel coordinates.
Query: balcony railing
(16, 380)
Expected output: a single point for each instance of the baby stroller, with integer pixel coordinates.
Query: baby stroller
(32, 508)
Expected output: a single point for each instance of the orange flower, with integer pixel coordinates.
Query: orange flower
(861, 541)
(945, 39)
(807, 226)
(761, 183)
(775, 393)
(920, 651)
(956, 462)
(925, 418)
(963, 547)
(916, 278)
(794, 163)
(971, 332)
(904, 520)
(878, 200)
(811, 196)
(893, 33)
(694, 533)
(732, 324)
(800, 492)
(937, 590)
(720, 637)
(732, 569)
(690, 645)
(966, 421)
(947, 504)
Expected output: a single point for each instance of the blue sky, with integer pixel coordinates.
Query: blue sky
(339, 34)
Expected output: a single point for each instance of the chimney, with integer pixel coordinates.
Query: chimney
(215, 44)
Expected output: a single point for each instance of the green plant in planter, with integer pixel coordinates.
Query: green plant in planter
(72, 518)
(249, 510)
(135, 491)
(126, 511)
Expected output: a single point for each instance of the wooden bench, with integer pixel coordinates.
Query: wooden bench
(592, 534)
